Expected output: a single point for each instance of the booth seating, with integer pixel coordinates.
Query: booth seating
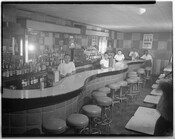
(105, 90)
(79, 122)
(106, 114)
(92, 111)
(114, 88)
(54, 126)
(133, 87)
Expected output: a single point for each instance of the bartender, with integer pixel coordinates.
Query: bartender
(66, 68)
(134, 54)
(104, 62)
(119, 56)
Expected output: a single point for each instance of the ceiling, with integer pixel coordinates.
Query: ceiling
(120, 17)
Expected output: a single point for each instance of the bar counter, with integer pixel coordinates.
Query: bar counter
(24, 110)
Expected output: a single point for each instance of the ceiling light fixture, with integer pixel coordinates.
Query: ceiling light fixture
(142, 10)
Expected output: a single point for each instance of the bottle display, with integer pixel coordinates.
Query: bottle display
(32, 73)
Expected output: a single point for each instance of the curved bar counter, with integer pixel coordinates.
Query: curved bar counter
(23, 110)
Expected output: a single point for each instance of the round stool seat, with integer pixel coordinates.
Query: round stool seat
(98, 94)
(132, 73)
(92, 110)
(131, 80)
(54, 126)
(154, 86)
(78, 120)
(141, 71)
(105, 90)
(114, 86)
(148, 68)
(158, 81)
(104, 101)
(123, 83)
(136, 78)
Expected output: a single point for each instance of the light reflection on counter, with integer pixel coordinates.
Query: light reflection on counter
(64, 86)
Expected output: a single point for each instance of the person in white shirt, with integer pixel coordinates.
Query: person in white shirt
(66, 68)
(134, 54)
(148, 58)
(104, 62)
(119, 56)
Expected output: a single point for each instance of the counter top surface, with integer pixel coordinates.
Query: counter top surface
(68, 84)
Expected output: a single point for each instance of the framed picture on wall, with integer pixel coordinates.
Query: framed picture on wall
(147, 41)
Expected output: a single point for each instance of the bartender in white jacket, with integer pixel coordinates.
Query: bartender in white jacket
(119, 56)
(66, 68)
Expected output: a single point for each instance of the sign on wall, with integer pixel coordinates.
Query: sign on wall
(147, 41)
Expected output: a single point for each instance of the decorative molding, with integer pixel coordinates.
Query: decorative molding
(97, 33)
(51, 27)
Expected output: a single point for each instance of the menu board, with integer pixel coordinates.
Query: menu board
(147, 41)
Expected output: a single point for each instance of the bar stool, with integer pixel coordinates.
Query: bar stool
(105, 90)
(92, 111)
(97, 94)
(54, 126)
(141, 72)
(133, 88)
(79, 122)
(148, 72)
(132, 74)
(154, 86)
(106, 114)
(158, 81)
(114, 88)
(123, 90)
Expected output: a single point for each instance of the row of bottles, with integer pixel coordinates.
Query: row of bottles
(34, 81)
(39, 64)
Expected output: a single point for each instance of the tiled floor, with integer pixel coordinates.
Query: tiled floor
(124, 111)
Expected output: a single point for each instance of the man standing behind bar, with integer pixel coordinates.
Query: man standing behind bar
(66, 68)
(104, 62)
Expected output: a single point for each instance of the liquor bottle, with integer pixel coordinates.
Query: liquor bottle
(28, 82)
(27, 68)
(13, 70)
(3, 70)
(32, 80)
(39, 68)
(10, 71)
(20, 70)
(23, 83)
